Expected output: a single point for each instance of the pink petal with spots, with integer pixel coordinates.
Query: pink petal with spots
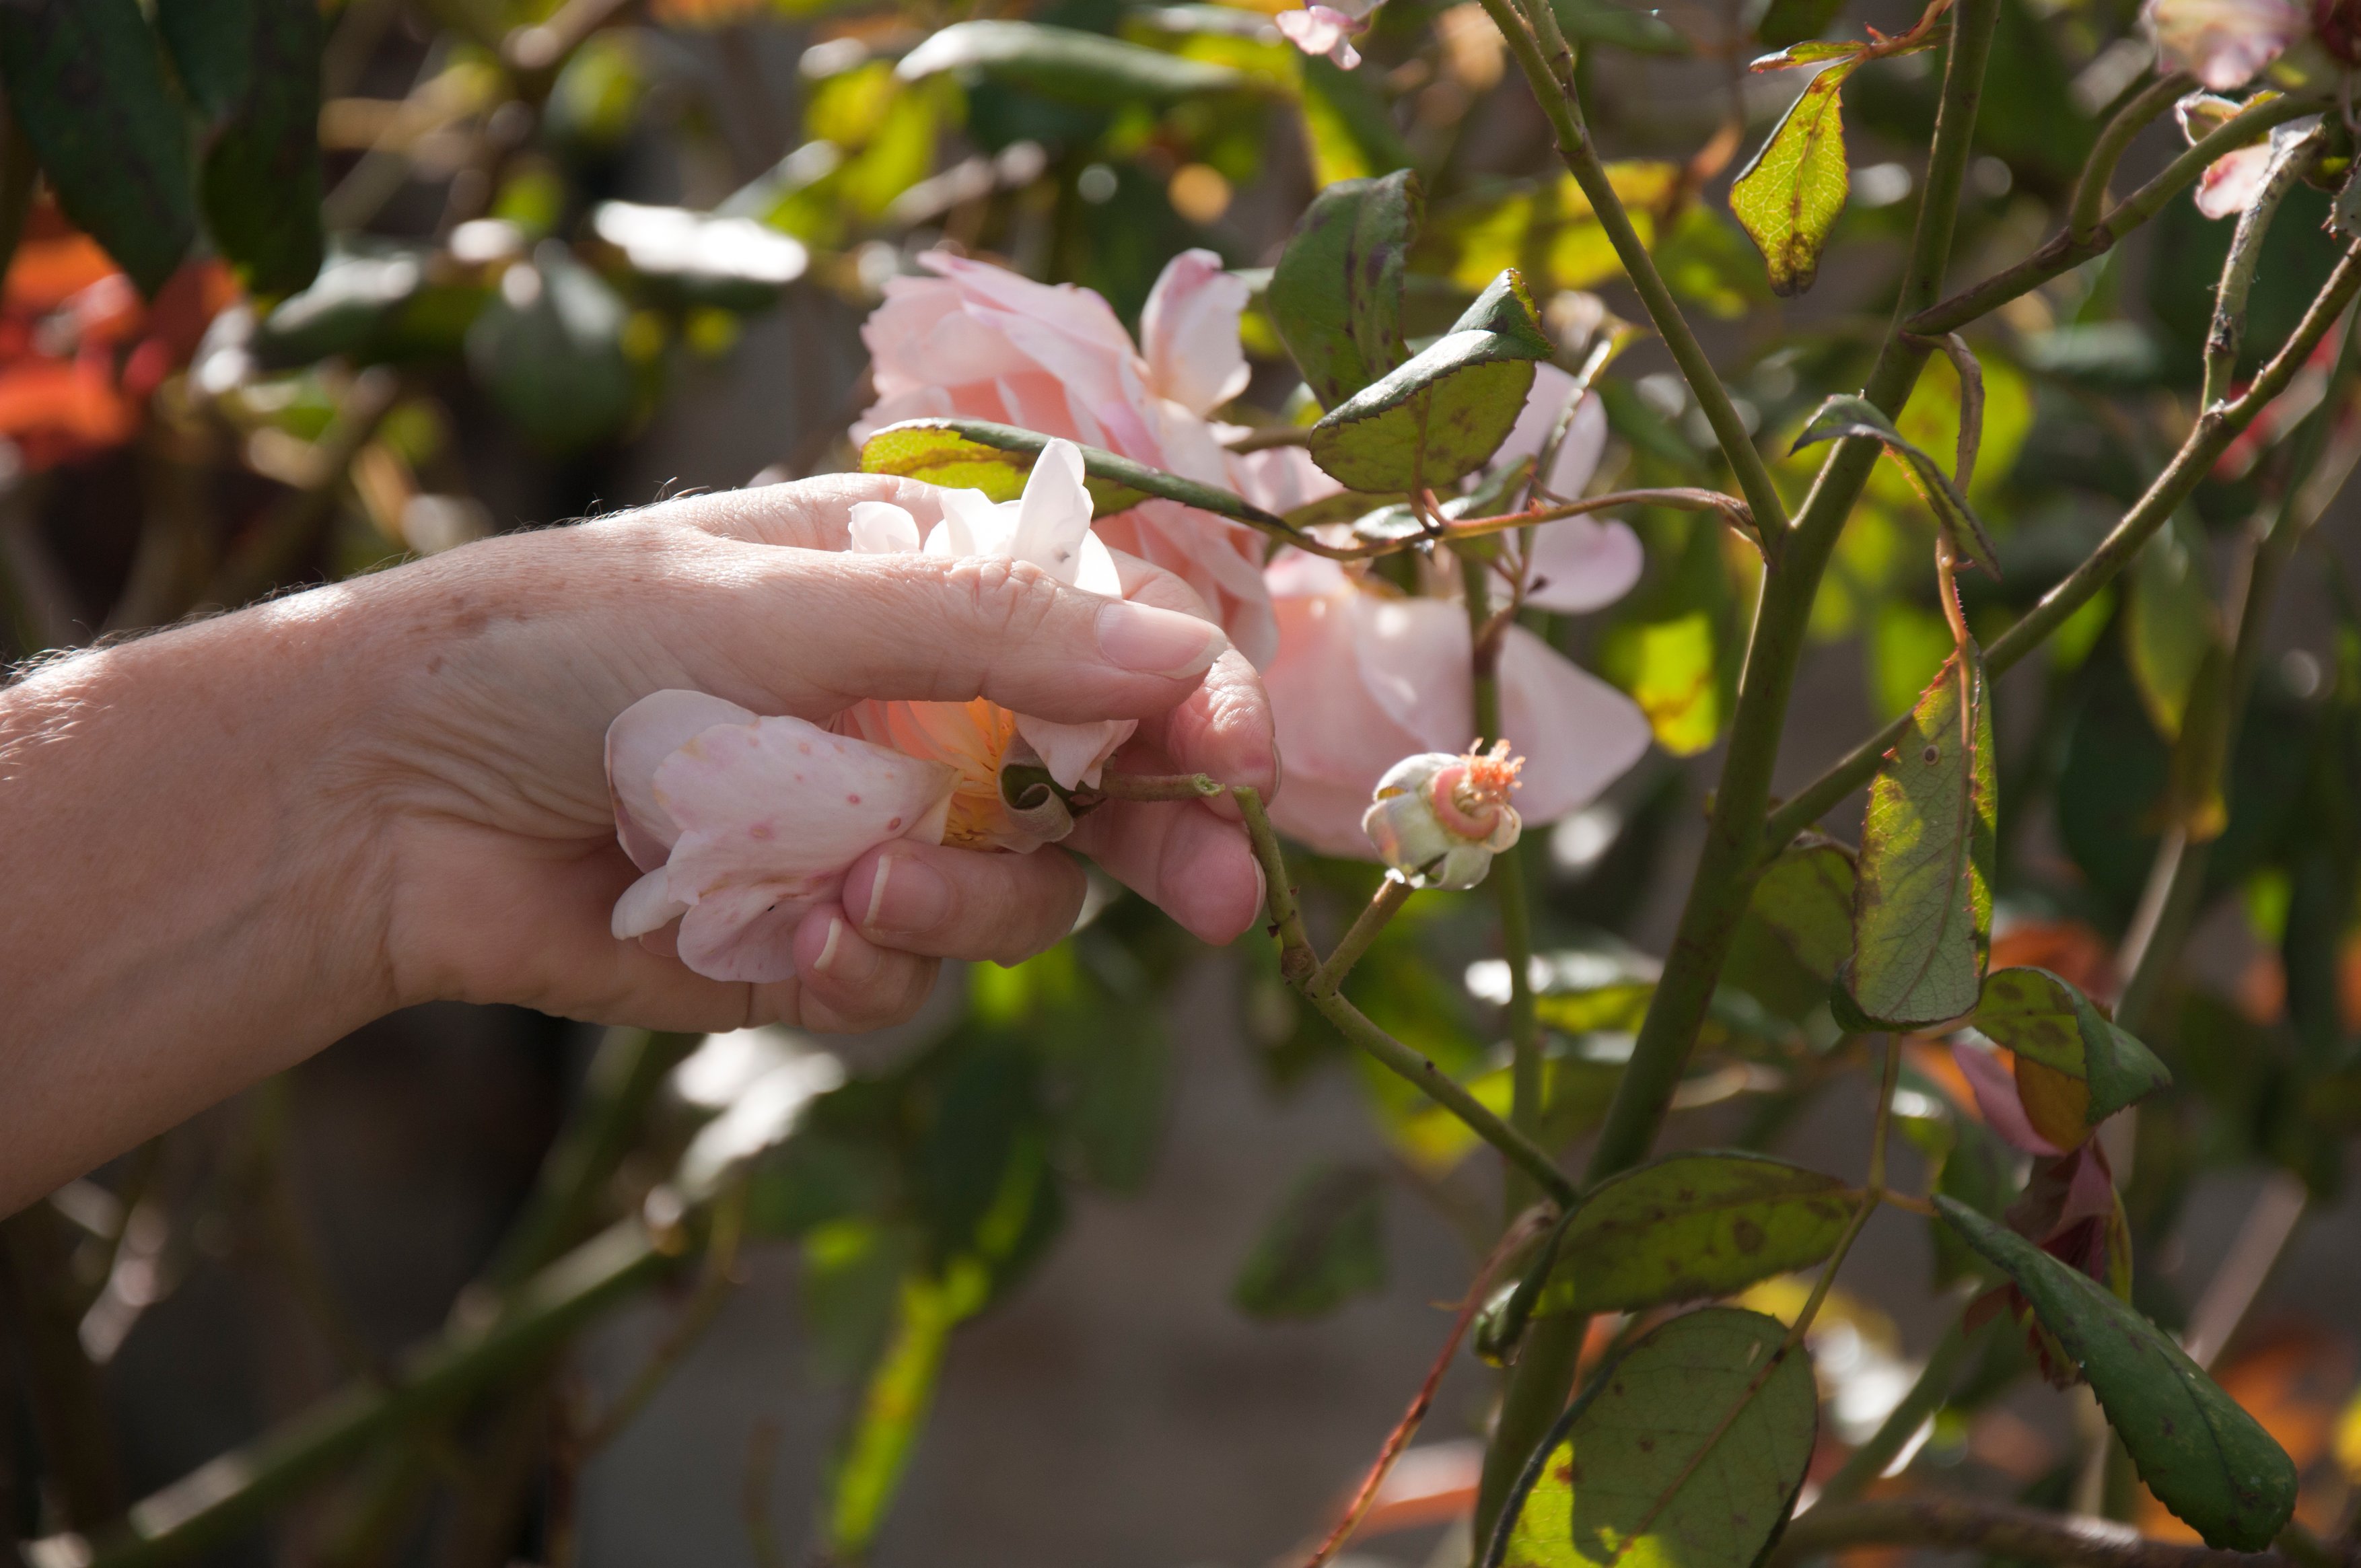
(770, 814)
(637, 741)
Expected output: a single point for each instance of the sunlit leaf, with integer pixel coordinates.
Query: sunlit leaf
(1336, 295)
(1670, 671)
(2203, 1457)
(1688, 1450)
(1845, 415)
(1325, 1245)
(1805, 898)
(2054, 1028)
(86, 84)
(1789, 196)
(975, 453)
(2170, 622)
(1922, 921)
(1905, 645)
(1441, 415)
(1066, 64)
(1694, 1225)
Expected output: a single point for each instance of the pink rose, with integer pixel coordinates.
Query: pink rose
(1364, 679)
(980, 342)
(2223, 43)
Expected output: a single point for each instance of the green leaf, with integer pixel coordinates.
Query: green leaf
(1336, 295)
(1789, 196)
(1439, 417)
(2047, 1020)
(995, 458)
(1066, 65)
(261, 180)
(1693, 1225)
(1844, 414)
(86, 81)
(1688, 1450)
(1922, 915)
(2169, 621)
(1806, 899)
(2203, 1457)
(548, 346)
(1325, 1245)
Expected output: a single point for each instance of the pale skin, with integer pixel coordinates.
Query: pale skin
(226, 846)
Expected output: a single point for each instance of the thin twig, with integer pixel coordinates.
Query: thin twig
(714, 1282)
(1520, 1232)
(1995, 1530)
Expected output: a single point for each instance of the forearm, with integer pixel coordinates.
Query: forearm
(189, 901)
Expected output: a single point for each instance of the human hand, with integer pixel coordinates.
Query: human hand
(496, 832)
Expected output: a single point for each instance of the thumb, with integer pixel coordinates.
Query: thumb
(820, 630)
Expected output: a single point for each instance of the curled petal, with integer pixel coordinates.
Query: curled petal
(2230, 184)
(1074, 753)
(2222, 43)
(1054, 516)
(646, 905)
(1189, 333)
(880, 528)
(637, 741)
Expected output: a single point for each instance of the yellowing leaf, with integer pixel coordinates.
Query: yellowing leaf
(1788, 198)
(1674, 684)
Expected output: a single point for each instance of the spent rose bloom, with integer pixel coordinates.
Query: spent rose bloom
(742, 824)
(1328, 29)
(2223, 43)
(1050, 528)
(980, 342)
(1365, 678)
(1436, 820)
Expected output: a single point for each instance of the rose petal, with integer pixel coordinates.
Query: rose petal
(1585, 438)
(1581, 564)
(1320, 30)
(1576, 733)
(1053, 518)
(1074, 753)
(637, 741)
(880, 528)
(2230, 184)
(1189, 333)
(646, 905)
(2222, 43)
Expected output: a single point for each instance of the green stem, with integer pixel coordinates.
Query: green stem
(1447, 1091)
(1723, 882)
(2289, 162)
(1383, 905)
(2064, 252)
(2090, 186)
(1564, 112)
(2208, 439)
(232, 1493)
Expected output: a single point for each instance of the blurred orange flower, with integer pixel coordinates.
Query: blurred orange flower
(79, 351)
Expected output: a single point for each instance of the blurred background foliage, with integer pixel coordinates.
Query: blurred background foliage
(295, 293)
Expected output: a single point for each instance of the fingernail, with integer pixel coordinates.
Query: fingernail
(908, 898)
(1158, 642)
(830, 950)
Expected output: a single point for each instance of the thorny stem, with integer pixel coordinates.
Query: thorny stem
(2065, 251)
(2091, 185)
(1564, 110)
(2292, 157)
(1723, 882)
(2000, 1530)
(2215, 429)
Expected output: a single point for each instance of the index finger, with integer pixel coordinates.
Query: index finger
(805, 514)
